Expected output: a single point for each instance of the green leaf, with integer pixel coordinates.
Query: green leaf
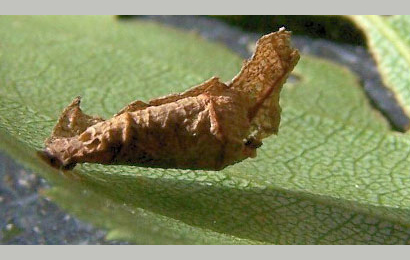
(334, 174)
(389, 41)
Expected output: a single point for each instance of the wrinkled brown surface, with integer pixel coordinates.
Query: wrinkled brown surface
(209, 126)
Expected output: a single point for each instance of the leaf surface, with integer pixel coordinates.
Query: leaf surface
(389, 41)
(334, 174)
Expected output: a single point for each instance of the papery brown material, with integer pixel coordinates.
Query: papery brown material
(210, 126)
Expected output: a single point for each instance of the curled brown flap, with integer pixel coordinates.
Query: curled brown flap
(210, 126)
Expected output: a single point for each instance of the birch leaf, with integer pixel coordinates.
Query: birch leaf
(334, 174)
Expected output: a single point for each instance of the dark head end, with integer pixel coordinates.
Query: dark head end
(54, 161)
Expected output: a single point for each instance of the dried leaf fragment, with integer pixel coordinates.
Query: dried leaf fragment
(210, 126)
